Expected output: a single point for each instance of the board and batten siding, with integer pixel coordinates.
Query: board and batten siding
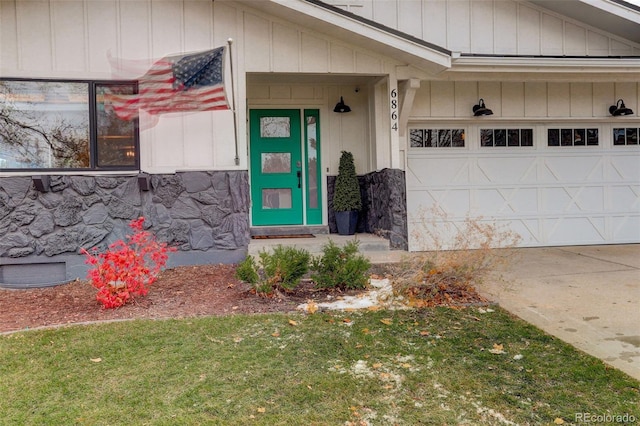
(438, 99)
(73, 40)
(491, 27)
(272, 45)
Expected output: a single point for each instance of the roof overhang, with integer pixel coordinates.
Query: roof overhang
(614, 16)
(545, 68)
(337, 23)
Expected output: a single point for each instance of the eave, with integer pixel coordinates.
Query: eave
(539, 68)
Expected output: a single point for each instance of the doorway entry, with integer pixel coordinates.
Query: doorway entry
(285, 167)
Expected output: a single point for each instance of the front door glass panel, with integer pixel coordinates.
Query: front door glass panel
(276, 162)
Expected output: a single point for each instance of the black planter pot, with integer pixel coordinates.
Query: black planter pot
(347, 222)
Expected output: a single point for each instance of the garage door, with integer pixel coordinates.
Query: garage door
(553, 185)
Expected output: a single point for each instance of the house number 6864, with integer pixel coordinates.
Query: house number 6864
(394, 109)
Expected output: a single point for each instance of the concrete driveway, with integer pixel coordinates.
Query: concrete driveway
(587, 296)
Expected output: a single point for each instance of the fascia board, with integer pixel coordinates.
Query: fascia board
(352, 30)
(546, 65)
(617, 9)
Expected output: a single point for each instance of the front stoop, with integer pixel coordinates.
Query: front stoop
(375, 248)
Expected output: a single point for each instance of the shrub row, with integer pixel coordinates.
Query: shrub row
(283, 268)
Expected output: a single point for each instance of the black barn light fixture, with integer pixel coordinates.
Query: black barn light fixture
(620, 109)
(481, 109)
(341, 107)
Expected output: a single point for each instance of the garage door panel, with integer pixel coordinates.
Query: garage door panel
(572, 169)
(575, 230)
(624, 168)
(625, 228)
(432, 172)
(506, 170)
(506, 201)
(627, 198)
(573, 199)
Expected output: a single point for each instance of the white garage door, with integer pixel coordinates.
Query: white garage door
(552, 184)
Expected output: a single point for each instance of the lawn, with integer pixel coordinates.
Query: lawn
(433, 366)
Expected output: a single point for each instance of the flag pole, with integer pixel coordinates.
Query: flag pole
(233, 102)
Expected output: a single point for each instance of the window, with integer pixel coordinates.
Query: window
(506, 137)
(572, 137)
(440, 138)
(64, 125)
(626, 136)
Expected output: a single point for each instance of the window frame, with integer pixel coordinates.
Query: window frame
(563, 128)
(507, 129)
(93, 128)
(439, 128)
(626, 143)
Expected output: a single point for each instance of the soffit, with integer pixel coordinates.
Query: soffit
(613, 16)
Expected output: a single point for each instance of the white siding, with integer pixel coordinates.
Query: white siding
(74, 39)
(276, 46)
(491, 27)
(439, 99)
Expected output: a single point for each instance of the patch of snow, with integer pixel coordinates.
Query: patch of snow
(379, 295)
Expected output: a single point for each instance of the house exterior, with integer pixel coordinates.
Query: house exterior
(557, 161)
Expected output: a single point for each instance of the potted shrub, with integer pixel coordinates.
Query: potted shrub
(346, 196)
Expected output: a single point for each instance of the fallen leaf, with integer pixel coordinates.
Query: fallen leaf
(238, 339)
(497, 349)
(377, 365)
(558, 421)
(373, 308)
(276, 334)
(405, 365)
(312, 307)
(387, 321)
(346, 320)
(262, 410)
(424, 333)
(292, 322)
(96, 359)
(365, 331)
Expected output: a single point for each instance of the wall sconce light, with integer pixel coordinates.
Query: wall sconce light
(143, 182)
(41, 183)
(481, 109)
(619, 109)
(341, 107)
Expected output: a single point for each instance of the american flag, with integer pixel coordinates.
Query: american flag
(178, 83)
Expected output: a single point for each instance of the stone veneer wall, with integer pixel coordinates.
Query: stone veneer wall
(204, 214)
(384, 206)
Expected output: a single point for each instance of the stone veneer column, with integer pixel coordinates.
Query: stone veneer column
(384, 206)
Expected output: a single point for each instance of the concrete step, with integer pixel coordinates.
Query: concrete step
(375, 248)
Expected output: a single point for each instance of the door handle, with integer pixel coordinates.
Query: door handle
(299, 173)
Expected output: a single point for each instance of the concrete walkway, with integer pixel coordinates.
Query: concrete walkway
(587, 296)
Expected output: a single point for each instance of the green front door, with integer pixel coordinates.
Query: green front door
(276, 167)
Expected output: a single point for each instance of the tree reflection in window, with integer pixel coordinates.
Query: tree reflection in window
(44, 124)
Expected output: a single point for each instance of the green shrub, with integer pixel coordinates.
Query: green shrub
(286, 266)
(346, 196)
(342, 268)
(281, 269)
(247, 271)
